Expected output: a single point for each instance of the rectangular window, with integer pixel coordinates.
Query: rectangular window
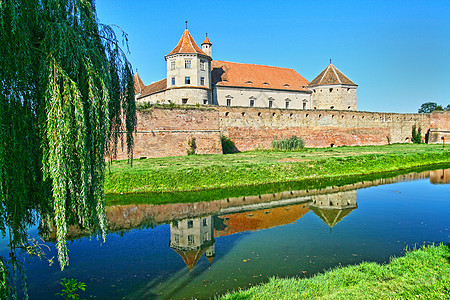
(187, 80)
(252, 103)
(202, 80)
(204, 222)
(173, 80)
(205, 237)
(202, 65)
(172, 65)
(184, 101)
(270, 103)
(205, 101)
(287, 104)
(304, 105)
(190, 224)
(177, 238)
(228, 102)
(191, 239)
(175, 224)
(187, 63)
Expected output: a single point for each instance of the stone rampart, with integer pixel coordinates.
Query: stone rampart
(166, 132)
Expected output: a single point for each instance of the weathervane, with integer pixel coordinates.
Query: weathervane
(186, 23)
(330, 61)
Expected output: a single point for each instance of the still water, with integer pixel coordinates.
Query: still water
(204, 249)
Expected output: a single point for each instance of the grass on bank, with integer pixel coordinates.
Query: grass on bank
(260, 189)
(200, 172)
(420, 274)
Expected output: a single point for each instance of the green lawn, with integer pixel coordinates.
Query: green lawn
(420, 274)
(200, 172)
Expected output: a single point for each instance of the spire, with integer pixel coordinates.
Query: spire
(138, 84)
(187, 45)
(206, 41)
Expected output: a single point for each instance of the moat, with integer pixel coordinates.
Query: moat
(204, 249)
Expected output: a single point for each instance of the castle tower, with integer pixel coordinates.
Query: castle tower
(206, 46)
(188, 72)
(191, 238)
(332, 208)
(331, 89)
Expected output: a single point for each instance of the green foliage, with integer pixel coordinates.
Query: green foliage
(149, 105)
(293, 143)
(192, 147)
(420, 273)
(70, 288)
(228, 145)
(66, 95)
(416, 135)
(429, 107)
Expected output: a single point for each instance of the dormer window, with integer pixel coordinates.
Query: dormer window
(249, 82)
(286, 85)
(265, 83)
(187, 63)
(270, 103)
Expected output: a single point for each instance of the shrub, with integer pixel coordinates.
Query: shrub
(192, 146)
(293, 143)
(416, 135)
(228, 145)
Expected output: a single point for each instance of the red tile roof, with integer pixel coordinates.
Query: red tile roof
(155, 87)
(226, 73)
(191, 257)
(331, 75)
(206, 41)
(187, 45)
(138, 84)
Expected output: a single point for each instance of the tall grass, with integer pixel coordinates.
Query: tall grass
(292, 143)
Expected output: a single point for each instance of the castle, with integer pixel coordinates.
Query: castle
(193, 77)
(255, 104)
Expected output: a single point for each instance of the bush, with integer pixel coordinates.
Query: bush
(228, 145)
(293, 143)
(192, 146)
(416, 135)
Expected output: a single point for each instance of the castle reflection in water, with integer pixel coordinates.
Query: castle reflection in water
(194, 237)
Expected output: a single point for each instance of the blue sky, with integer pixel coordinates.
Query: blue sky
(398, 52)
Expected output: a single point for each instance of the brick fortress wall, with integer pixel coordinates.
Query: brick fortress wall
(166, 132)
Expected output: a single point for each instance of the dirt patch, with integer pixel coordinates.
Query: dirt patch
(292, 159)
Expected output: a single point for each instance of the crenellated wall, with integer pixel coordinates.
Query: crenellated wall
(166, 132)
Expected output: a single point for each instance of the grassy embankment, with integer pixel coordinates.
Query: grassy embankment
(420, 274)
(201, 172)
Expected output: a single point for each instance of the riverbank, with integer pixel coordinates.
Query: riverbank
(202, 172)
(423, 273)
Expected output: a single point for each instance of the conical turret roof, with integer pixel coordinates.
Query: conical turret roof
(138, 84)
(331, 216)
(191, 257)
(187, 45)
(206, 41)
(331, 75)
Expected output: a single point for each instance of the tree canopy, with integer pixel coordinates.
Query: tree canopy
(429, 107)
(66, 94)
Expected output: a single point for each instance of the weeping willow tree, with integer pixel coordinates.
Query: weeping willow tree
(66, 94)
